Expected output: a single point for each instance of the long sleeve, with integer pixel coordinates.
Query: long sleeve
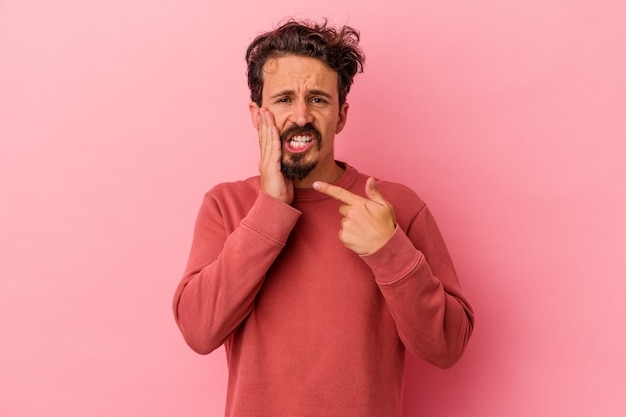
(417, 279)
(238, 234)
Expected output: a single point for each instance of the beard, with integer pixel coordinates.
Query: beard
(297, 166)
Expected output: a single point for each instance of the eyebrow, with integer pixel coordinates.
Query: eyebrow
(310, 92)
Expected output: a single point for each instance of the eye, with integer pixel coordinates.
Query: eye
(283, 100)
(318, 100)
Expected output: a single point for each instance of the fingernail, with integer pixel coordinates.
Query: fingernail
(316, 185)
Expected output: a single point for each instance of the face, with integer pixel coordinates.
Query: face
(301, 93)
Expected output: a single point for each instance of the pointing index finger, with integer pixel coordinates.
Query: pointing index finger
(335, 192)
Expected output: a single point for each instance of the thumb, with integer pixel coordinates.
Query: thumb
(373, 193)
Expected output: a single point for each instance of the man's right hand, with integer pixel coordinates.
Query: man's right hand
(273, 182)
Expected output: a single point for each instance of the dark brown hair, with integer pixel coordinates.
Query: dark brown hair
(338, 49)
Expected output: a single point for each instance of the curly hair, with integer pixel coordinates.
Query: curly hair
(338, 49)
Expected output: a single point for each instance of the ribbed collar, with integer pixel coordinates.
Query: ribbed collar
(346, 181)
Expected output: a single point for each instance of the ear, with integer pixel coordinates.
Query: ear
(255, 114)
(343, 117)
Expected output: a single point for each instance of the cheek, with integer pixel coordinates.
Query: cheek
(280, 119)
(332, 125)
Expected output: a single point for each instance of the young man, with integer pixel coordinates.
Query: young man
(315, 277)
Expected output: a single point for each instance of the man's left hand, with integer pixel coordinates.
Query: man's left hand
(367, 223)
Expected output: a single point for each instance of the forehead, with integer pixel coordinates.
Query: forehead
(298, 73)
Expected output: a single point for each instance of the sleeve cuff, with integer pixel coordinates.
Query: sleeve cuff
(271, 217)
(395, 259)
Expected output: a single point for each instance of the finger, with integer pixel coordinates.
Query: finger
(268, 133)
(373, 193)
(335, 192)
(265, 141)
(345, 210)
(268, 116)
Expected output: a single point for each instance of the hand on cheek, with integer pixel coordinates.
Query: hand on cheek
(273, 181)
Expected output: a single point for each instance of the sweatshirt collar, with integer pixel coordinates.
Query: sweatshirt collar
(346, 181)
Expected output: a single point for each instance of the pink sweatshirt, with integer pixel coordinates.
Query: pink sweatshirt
(309, 327)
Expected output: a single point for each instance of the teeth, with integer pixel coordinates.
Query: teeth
(299, 141)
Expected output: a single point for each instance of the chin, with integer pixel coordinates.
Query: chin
(297, 170)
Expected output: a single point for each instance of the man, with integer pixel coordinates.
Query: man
(315, 277)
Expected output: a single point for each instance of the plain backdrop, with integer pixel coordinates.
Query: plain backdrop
(507, 117)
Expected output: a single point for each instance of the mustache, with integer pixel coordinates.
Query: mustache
(295, 130)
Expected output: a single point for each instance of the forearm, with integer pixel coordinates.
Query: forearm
(226, 271)
(433, 318)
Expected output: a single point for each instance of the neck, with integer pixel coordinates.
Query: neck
(329, 174)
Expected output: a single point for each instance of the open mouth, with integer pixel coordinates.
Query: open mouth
(299, 143)
(299, 139)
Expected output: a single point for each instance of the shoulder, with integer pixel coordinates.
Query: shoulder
(406, 203)
(229, 202)
(399, 193)
(396, 193)
(248, 188)
(232, 197)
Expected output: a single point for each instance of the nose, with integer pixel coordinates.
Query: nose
(302, 113)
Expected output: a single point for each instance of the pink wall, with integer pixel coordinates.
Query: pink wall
(508, 118)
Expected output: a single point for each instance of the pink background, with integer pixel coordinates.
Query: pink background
(508, 118)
